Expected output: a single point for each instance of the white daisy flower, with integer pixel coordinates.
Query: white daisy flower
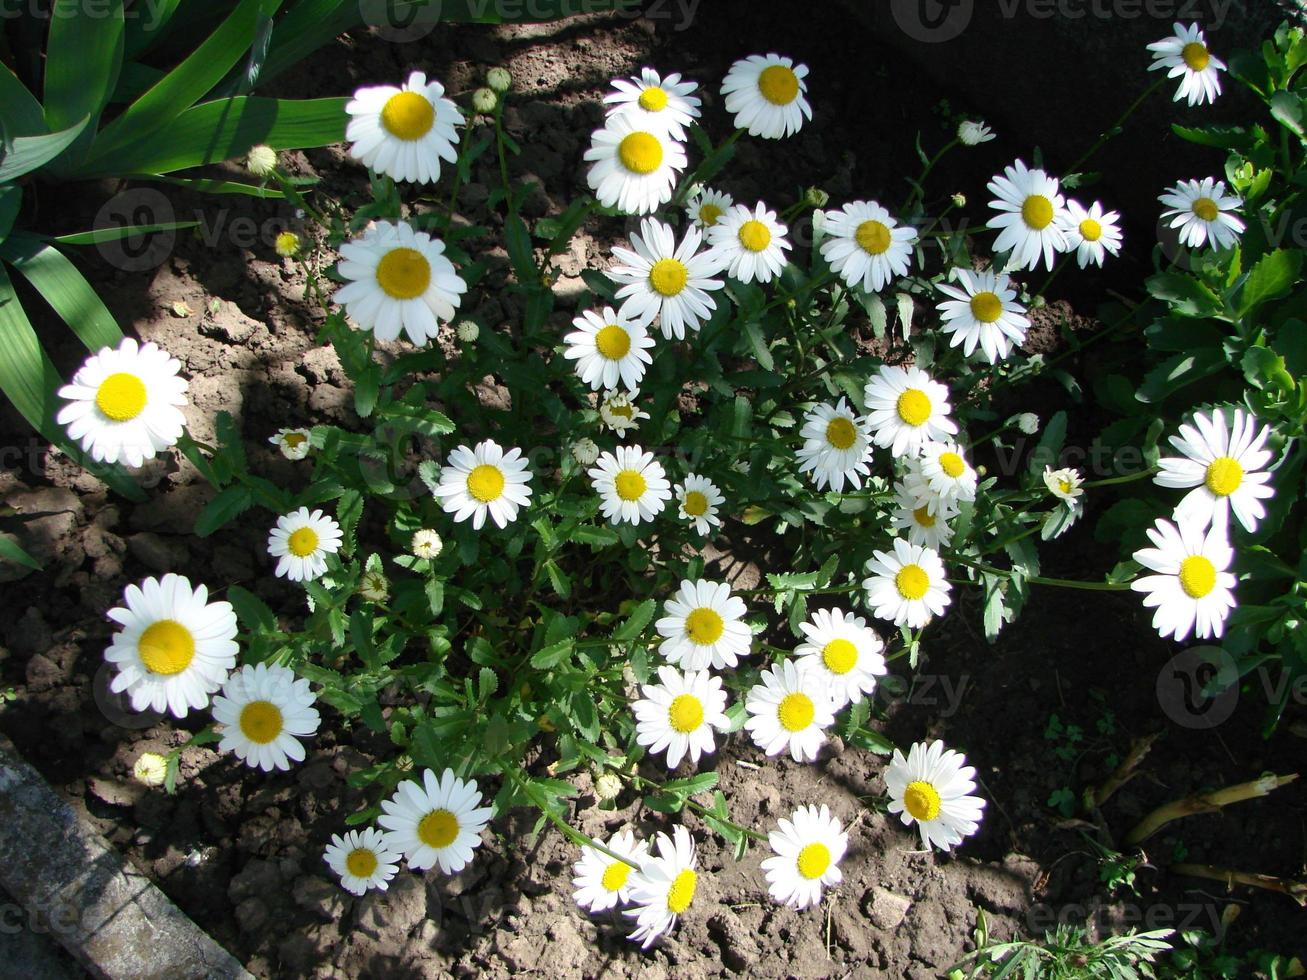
(843, 649)
(600, 881)
(174, 648)
(749, 245)
(1064, 484)
(263, 712)
(301, 542)
(373, 586)
(484, 480)
(633, 169)
(1028, 205)
(666, 280)
(767, 94)
(618, 410)
(1185, 55)
(707, 207)
(699, 500)
(609, 347)
(866, 246)
(926, 527)
(1192, 588)
(362, 860)
(809, 847)
(836, 446)
(1226, 467)
(404, 132)
(983, 312)
(663, 888)
(704, 627)
(1092, 233)
(907, 587)
(790, 709)
(932, 788)
(654, 102)
(435, 822)
(125, 403)
(907, 409)
(941, 476)
(1201, 210)
(631, 484)
(426, 544)
(399, 280)
(971, 133)
(293, 443)
(678, 714)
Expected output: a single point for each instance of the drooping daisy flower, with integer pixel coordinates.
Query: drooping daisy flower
(609, 347)
(618, 411)
(767, 94)
(293, 443)
(1186, 54)
(707, 207)
(749, 245)
(631, 484)
(585, 451)
(1201, 210)
(699, 500)
(301, 542)
(678, 714)
(484, 480)
(866, 246)
(942, 476)
(600, 881)
(1028, 204)
(654, 102)
(843, 649)
(362, 860)
(1192, 587)
(435, 822)
(809, 847)
(704, 627)
(404, 132)
(399, 280)
(907, 409)
(1092, 233)
(150, 769)
(1226, 467)
(790, 709)
(908, 586)
(932, 788)
(666, 280)
(971, 133)
(174, 647)
(263, 712)
(1064, 484)
(125, 403)
(633, 169)
(836, 446)
(983, 312)
(663, 888)
(924, 526)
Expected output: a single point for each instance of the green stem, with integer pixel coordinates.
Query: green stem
(570, 832)
(1130, 478)
(1064, 583)
(1115, 128)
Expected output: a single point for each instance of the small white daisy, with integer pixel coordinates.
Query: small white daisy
(843, 649)
(263, 712)
(749, 245)
(1092, 233)
(1201, 210)
(631, 484)
(932, 788)
(293, 443)
(125, 403)
(1192, 588)
(609, 347)
(654, 102)
(600, 881)
(426, 544)
(983, 312)
(663, 888)
(866, 246)
(707, 207)
(665, 280)
(1226, 467)
(699, 500)
(484, 480)
(301, 542)
(907, 587)
(633, 169)
(941, 476)
(926, 527)
(767, 94)
(1064, 484)
(790, 709)
(618, 411)
(404, 132)
(1028, 205)
(972, 133)
(1185, 54)
(836, 446)
(704, 626)
(907, 409)
(809, 847)
(435, 822)
(678, 714)
(362, 859)
(174, 648)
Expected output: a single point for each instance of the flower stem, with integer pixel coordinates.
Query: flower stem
(571, 833)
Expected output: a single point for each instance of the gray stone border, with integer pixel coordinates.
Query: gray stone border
(101, 909)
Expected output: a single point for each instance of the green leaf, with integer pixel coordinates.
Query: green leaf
(517, 239)
(27, 153)
(487, 683)
(23, 115)
(1272, 277)
(84, 54)
(253, 613)
(753, 331)
(65, 289)
(101, 235)
(558, 579)
(1287, 108)
(11, 202)
(553, 655)
(1186, 295)
(223, 509)
(1178, 371)
(10, 551)
(1263, 368)
(635, 623)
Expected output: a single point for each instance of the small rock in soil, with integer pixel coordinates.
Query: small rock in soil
(30, 634)
(885, 909)
(394, 912)
(256, 878)
(113, 793)
(252, 914)
(156, 553)
(739, 949)
(319, 896)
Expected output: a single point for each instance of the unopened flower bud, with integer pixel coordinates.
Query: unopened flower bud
(1028, 422)
(608, 786)
(468, 331)
(484, 101)
(815, 197)
(499, 80)
(585, 451)
(151, 769)
(261, 160)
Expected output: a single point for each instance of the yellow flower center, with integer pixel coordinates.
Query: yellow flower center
(361, 863)
(653, 100)
(1064, 486)
(404, 273)
(709, 214)
(1197, 576)
(640, 153)
(914, 406)
(841, 433)
(923, 516)
(754, 236)
(813, 861)
(615, 876)
(1195, 55)
(681, 894)
(685, 713)
(1205, 208)
(695, 504)
(287, 243)
(873, 237)
(705, 626)
(485, 483)
(260, 722)
(438, 829)
(986, 307)
(166, 647)
(1224, 476)
(302, 542)
(120, 396)
(622, 411)
(408, 115)
(1091, 230)
(796, 712)
(294, 439)
(778, 84)
(1037, 212)
(630, 485)
(668, 277)
(921, 800)
(613, 342)
(840, 656)
(952, 464)
(912, 582)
